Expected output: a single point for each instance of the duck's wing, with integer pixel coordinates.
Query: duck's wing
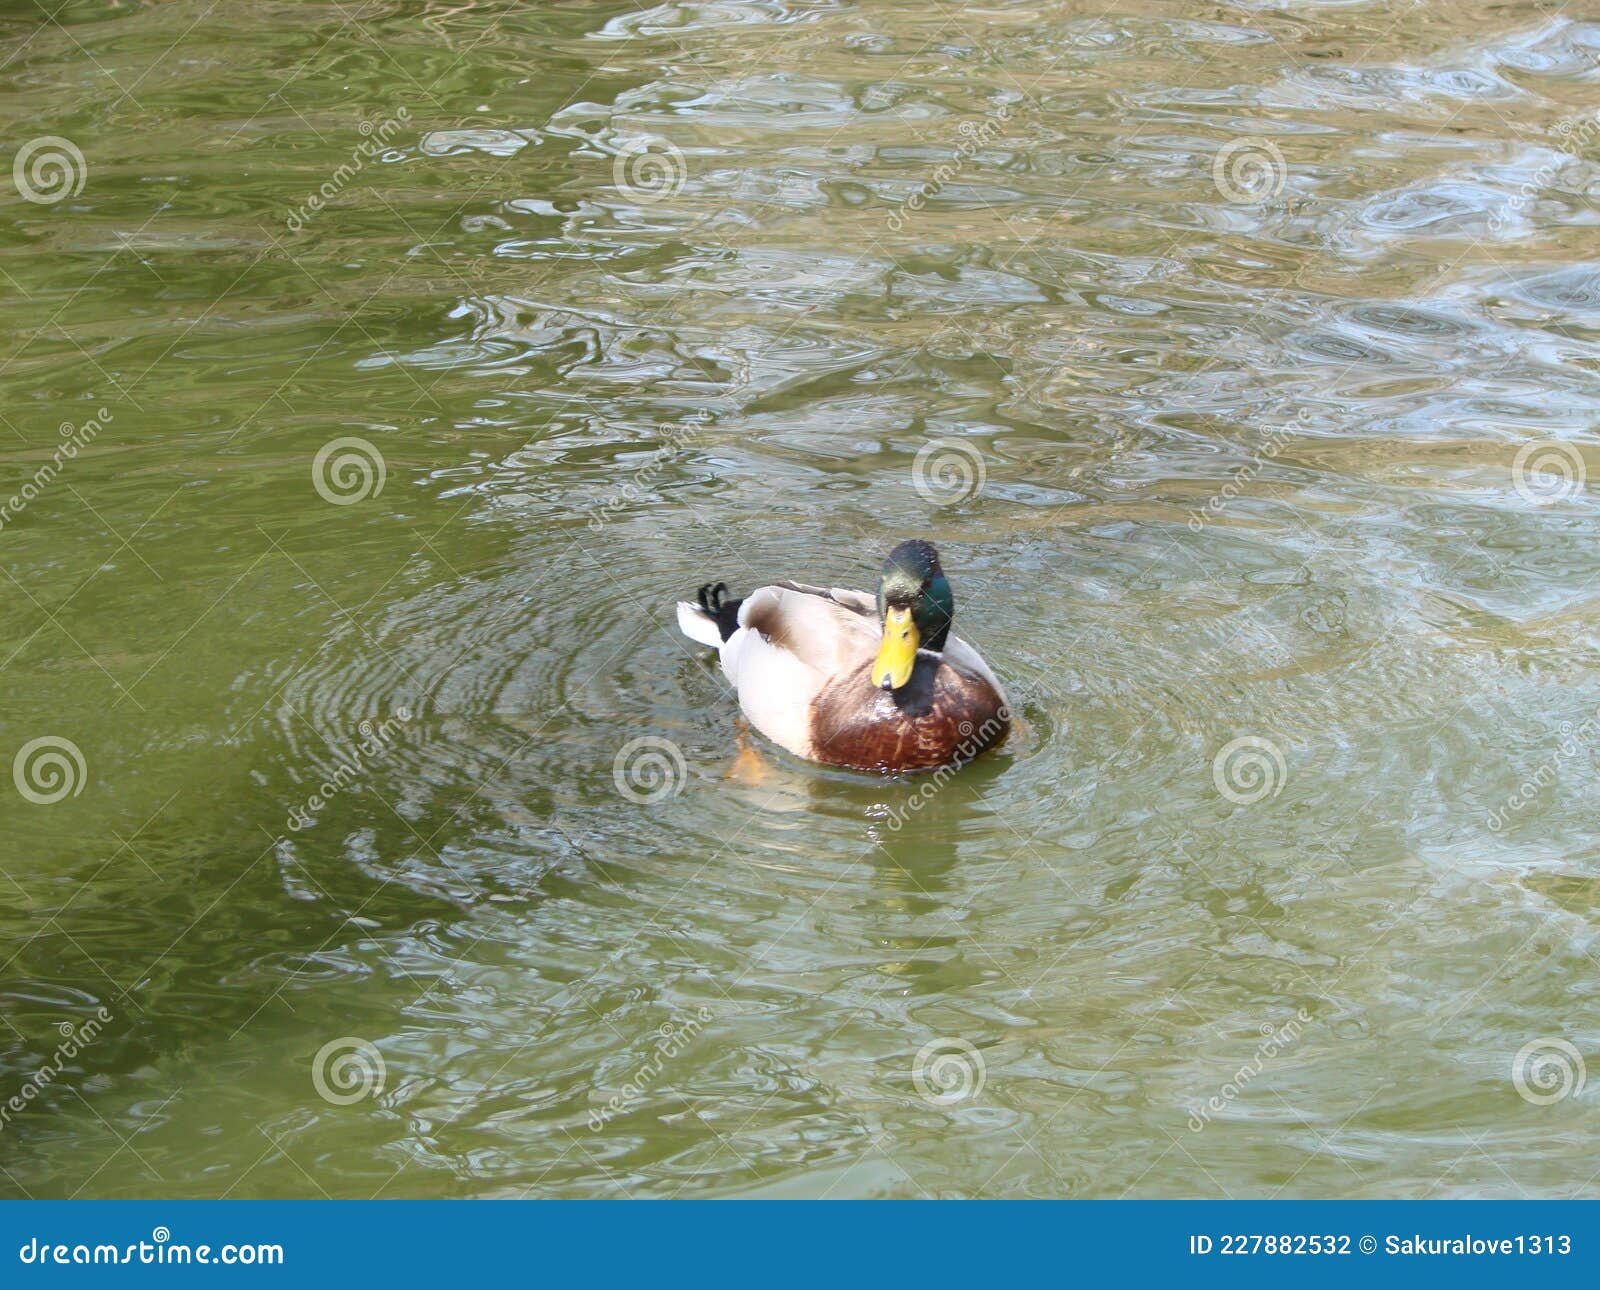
(858, 601)
(961, 656)
(791, 641)
(826, 630)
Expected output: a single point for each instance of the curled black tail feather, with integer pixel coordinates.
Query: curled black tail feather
(713, 598)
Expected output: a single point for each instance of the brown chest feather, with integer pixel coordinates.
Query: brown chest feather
(941, 718)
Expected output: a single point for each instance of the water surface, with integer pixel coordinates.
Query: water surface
(1242, 360)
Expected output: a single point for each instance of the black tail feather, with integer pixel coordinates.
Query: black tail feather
(713, 598)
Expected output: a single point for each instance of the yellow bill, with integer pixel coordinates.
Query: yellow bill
(898, 653)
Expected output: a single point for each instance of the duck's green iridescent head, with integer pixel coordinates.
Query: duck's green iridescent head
(916, 603)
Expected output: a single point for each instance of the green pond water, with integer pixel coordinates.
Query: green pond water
(373, 379)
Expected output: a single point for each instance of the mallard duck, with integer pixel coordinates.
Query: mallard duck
(839, 678)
